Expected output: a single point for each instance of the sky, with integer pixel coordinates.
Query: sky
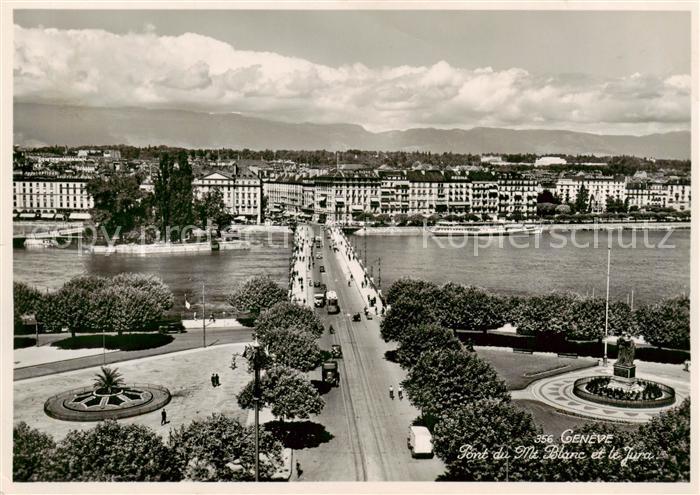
(602, 72)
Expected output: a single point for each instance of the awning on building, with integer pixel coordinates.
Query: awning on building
(357, 208)
(48, 215)
(79, 216)
(27, 215)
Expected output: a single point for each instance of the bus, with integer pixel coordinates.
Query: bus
(332, 302)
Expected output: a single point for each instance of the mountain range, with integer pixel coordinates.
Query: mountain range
(41, 124)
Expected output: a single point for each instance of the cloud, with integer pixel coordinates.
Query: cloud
(194, 72)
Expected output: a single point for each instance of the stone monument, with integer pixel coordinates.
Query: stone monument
(624, 367)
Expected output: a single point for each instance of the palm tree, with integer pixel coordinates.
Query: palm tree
(108, 378)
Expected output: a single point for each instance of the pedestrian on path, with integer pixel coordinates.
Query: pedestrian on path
(217, 382)
(299, 470)
(213, 380)
(163, 417)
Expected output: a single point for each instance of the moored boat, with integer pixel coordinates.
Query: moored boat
(500, 229)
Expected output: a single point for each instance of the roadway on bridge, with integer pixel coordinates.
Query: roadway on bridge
(369, 429)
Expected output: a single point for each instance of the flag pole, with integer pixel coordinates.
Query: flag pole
(204, 320)
(607, 305)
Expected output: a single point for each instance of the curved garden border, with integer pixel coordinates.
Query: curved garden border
(55, 405)
(581, 393)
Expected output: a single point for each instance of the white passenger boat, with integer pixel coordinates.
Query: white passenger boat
(453, 229)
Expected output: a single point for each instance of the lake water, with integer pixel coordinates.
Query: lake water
(183, 273)
(651, 270)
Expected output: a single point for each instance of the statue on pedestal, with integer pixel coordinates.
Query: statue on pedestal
(624, 366)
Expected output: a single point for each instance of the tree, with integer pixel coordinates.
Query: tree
(292, 347)
(667, 437)
(152, 285)
(220, 448)
(288, 315)
(581, 203)
(256, 294)
(588, 467)
(546, 196)
(31, 449)
(73, 305)
(424, 338)
(469, 308)
(26, 301)
(211, 207)
(450, 379)
(110, 451)
(119, 203)
(286, 392)
(402, 315)
(486, 425)
(665, 324)
(411, 288)
(588, 319)
(172, 189)
(562, 209)
(544, 315)
(108, 378)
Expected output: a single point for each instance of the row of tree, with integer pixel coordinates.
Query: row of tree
(288, 335)
(218, 448)
(126, 211)
(458, 307)
(90, 303)
(469, 410)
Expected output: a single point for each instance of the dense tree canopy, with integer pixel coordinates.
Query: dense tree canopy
(292, 347)
(666, 324)
(31, 449)
(486, 425)
(26, 301)
(110, 451)
(425, 338)
(451, 379)
(120, 206)
(288, 315)
(256, 295)
(286, 392)
(220, 448)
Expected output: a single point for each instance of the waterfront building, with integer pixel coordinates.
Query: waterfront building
(646, 194)
(241, 190)
(427, 193)
(459, 191)
(394, 195)
(484, 199)
(284, 194)
(517, 197)
(678, 193)
(51, 194)
(599, 189)
(341, 195)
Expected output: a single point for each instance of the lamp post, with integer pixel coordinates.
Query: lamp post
(252, 354)
(204, 320)
(607, 305)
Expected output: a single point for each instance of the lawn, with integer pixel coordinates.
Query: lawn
(125, 342)
(22, 342)
(520, 370)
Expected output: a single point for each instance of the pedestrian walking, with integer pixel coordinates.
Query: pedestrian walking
(163, 417)
(213, 380)
(217, 382)
(391, 392)
(400, 393)
(212, 319)
(299, 470)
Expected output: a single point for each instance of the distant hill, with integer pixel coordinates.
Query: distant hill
(38, 124)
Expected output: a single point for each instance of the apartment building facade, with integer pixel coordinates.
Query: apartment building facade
(51, 194)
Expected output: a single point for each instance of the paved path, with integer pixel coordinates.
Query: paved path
(557, 392)
(369, 429)
(190, 340)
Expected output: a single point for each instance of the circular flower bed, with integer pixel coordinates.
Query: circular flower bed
(636, 393)
(90, 404)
